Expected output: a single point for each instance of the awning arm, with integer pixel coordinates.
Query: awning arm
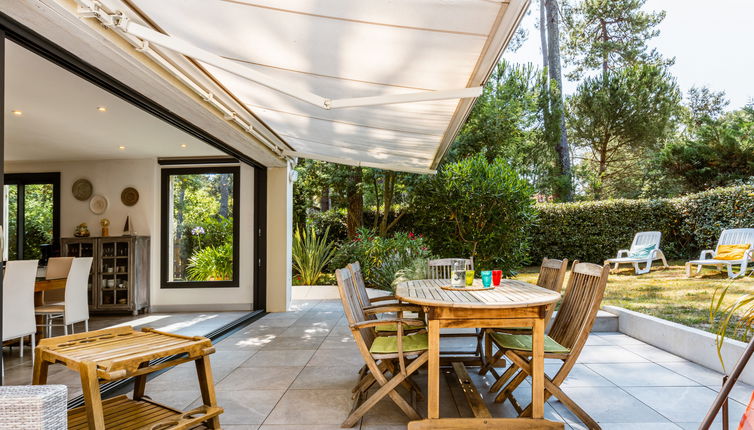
(352, 162)
(190, 50)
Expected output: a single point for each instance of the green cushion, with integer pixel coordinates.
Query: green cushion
(522, 342)
(641, 251)
(389, 344)
(393, 327)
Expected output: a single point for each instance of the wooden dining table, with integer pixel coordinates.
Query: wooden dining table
(512, 304)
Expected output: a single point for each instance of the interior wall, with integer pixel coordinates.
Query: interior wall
(109, 178)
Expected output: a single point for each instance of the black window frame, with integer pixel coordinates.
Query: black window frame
(166, 219)
(22, 179)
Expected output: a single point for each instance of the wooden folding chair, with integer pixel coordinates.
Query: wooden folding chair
(565, 341)
(368, 303)
(398, 356)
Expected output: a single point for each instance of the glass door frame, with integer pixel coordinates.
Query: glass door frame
(21, 180)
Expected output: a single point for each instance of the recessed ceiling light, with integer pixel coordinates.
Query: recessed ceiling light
(184, 146)
(121, 147)
(101, 108)
(17, 112)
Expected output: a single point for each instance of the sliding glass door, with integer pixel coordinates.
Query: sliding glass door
(32, 202)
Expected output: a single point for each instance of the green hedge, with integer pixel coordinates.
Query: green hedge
(594, 231)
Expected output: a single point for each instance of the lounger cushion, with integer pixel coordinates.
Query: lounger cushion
(522, 342)
(393, 327)
(641, 251)
(389, 344)
(731, 252)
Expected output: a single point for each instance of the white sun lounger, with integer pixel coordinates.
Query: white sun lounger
(641, 240)
(735, 236)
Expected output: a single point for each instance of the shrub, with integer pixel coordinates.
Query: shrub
(381, 258)
(595, 231)
(212, 263)
(479, 209)
(332, 221)
(311, 254)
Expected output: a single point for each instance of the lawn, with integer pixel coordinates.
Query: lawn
(666, 293)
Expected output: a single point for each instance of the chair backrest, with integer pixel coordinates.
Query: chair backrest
(76, 291)
(646, 238)
(582, 300)
(18, 299)
(736, 236)
(441, 268)
(358, 283)
(351, 306)
(551, 276)
(58, 267)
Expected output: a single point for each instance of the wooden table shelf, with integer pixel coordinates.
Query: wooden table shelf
(121, 352)
(122, 413)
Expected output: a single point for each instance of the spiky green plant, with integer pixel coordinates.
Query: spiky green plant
(311, 254)
(740, 313)
(418, 269)
(212, 263)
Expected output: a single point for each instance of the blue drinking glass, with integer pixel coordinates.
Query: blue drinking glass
(486, 278)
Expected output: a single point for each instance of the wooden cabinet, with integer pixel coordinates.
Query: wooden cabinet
(119, 281)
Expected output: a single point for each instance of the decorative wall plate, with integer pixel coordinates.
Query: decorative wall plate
(129, 196)
(82, 189)
(98, 204)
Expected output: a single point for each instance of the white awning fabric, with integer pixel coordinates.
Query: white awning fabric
(324, 74)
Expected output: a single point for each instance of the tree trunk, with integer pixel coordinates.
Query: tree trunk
(324, 199)
(605, 53)
(387, 198)
(355, 215)
(543, 33)
(553, 54)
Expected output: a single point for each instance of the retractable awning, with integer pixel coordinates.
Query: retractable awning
(379, 83)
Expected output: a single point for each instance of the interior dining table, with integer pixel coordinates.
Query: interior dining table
(513, 303)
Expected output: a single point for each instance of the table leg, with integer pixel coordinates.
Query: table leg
(207, 387)
(39, 375)
(95, 414)
(433, 370)
(538, 369)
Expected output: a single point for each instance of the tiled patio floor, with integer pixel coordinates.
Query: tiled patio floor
(295, 370)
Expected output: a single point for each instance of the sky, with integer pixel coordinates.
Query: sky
(712, 42)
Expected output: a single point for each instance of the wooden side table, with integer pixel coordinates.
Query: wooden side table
(119, 353)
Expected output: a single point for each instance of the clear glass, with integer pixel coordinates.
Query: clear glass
(201, 228)
(459, 273)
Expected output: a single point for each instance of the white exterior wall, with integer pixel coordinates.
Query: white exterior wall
(279, 239)
(109, 177)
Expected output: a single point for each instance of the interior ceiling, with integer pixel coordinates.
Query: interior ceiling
(345, 49)
(60, 120)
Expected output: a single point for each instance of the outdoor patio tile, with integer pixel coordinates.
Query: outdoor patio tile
(340, 330)
(639, 426)
(279, 358)
(326, 378)
(579, 376)
(179, 399)
(275, 322)
(317, 322)
(307, 407)
(241, 427)
(254, 331)
(302, 342)
(184, 377)
(607, 405)
(596, 340)
(641, 375)
(339, 342)
(238, 344)
(301, 331)
(616, 338)
(259, 378)
(695, 372)
(609, 354)
(682, 404)
(246, 407)
(653, 353)
(336, 357)
(741, 392)
(254, 341)
(298, 427)
(229, 358)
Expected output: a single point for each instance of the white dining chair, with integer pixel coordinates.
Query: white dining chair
(18, 302)
(57, 268)
(76, 306)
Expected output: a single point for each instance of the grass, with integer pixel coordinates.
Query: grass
(666, 293)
